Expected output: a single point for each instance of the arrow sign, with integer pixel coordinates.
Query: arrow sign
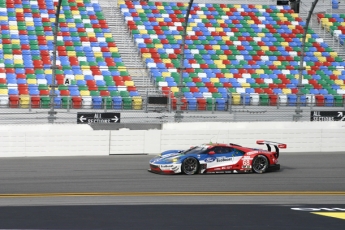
(82, 119)
(327, 116)
(88, 118)
(115, 119)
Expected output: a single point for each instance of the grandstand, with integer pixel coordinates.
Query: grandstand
(116, 54)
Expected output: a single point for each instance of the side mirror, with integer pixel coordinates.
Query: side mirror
(212, 152)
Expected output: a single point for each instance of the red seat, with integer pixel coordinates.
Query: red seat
(14, 101)
(64, 92)
(273, 99)
(201, 103)
(35, 101)
(104, 93)
(76, 102)
(320, 100)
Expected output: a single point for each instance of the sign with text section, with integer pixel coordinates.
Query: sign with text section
(88, 118)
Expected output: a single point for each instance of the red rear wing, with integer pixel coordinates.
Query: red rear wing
(276, 145)
(279, 145)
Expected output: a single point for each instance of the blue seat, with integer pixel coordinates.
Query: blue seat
(192, 103)
(220, 104)
(329, 100)
(245, 99)
(57, 102)
(292, 99)
(96, 102)
(117, 102)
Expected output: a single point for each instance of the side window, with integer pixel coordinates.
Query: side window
(238, 152)
(222, 150)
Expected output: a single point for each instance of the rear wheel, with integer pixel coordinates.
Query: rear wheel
(260, 164)
(190, 166)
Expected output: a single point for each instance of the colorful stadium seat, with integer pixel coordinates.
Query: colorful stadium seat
(86, 51)
(250, 50)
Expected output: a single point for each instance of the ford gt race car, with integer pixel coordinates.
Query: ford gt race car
(218, 158)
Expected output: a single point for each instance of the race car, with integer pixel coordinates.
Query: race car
(218, 158)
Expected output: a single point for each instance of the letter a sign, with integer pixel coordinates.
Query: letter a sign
(67, 81)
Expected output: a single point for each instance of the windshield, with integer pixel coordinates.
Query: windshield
(195, 150)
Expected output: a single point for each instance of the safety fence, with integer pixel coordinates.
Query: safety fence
(160, 109)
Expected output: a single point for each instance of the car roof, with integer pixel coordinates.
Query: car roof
(232, 145)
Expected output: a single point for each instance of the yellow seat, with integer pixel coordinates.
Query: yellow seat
(31, 81)
(98, 54)
(218, 62)
(259, 71)
(261, 35)
(166, 74)
(84, 93)
(50, 38)
(216, 47)
(146, 55)
(159, 46)
(265, 48)
(318, 54)
(79, 77)
(166, 60)
(337, 72)
(18, 61)
(71, 53)
(228, 75)
(8, 56)
(3, 91)
(174, 89)
(286, 91)
(113, 49)
(29, 24)
(214, 79)
(339, 82)
(137, 102)
(219, 29)
(245, 85)
(129, 83)
(15, 41)
(108, 35)
(333, 54)
(24, 101)
(285, 44)
(236, 99)
(221, 66)
(277, 63)
(48, 71)
(177, 37)
(322, 59)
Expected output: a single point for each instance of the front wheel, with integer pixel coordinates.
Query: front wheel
(190, 166)
(260, 164)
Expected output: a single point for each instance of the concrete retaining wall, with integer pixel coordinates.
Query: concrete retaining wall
(81, 140)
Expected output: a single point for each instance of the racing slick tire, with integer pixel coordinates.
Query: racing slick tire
(190, 166)
(260, 164)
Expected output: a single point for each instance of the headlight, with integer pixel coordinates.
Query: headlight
(175, 160)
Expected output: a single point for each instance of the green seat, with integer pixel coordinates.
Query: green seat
(264, 99)
(127, 102)
(94, 93)
(124, 94)
(210, 103)
(338, 100)
(115, 93)
(107, 102)
(45, 102)
(66, 102)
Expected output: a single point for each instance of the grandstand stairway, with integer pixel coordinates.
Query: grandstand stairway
(127, 49)
(327, 37)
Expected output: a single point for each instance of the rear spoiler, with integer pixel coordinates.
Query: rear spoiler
(276, 145)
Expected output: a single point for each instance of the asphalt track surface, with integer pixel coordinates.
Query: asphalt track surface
(117, 192)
